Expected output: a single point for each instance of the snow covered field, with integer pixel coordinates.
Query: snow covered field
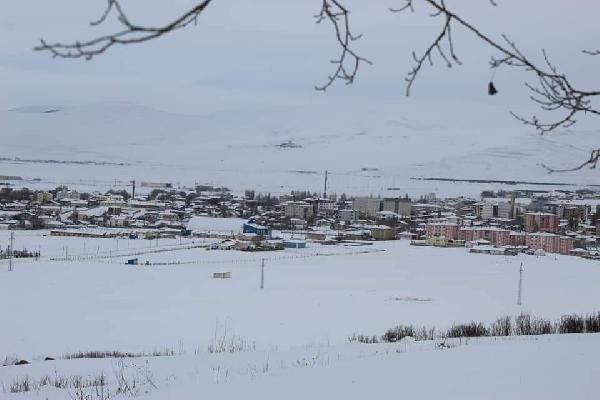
(313, 300)
(547, 367)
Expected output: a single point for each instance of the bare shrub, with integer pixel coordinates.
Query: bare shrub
(76, 382)
(592, 323)
(233, 344)
(424, 333)
(20, 385)
(525, 325)
(167, 351)
(130, 381)
(541, 326)
(226, 343)
(402, 331)
(471, 329)
(571, 324)
(363, 339)
(502, 327)
(398, 333)
(91, 393)
(100, 354)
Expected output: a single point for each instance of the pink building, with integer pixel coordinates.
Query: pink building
(439, 229)
(518, 239)
(549, 242)
(566, 245)
(541, 222)
(497, 236)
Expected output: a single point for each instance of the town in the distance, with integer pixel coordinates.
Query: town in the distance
(503, 222)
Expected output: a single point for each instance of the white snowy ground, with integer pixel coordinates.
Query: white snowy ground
(313, 300)
(221, 225)
(547, 367)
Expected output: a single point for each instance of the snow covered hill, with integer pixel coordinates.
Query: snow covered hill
(280, 148)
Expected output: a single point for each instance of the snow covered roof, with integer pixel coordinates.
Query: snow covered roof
(386, 213)
(539, 213)
(94, 212)
(542, 234)
(212, 224)
(483, 228)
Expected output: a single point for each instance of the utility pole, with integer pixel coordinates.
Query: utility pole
(10, 252)
(262, 274)
(520, 295)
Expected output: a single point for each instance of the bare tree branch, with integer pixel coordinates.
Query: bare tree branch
(591, 52)
(131, 33)
(553, 91)
(436, 45)
(590, 163)
(348, 62)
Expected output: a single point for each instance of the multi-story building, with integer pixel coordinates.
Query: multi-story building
(541, 222)
(549, 242)
(367, 207)
(347, 215)
(497, 236)
(322, 206)
(66, 194)
(442, 229)
(298, 210)
(518, 239)
(44, 197)
(398, 205)
(487, 210)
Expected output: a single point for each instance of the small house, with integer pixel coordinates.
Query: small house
(256, 229)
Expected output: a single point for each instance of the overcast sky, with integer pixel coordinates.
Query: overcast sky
(249, 53)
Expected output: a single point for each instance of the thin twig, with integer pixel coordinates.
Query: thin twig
(348, 62)
(131, 34)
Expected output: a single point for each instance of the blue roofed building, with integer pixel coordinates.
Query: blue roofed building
(256, 229)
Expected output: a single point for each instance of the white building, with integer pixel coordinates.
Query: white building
(298, 210)
(367, 206)
(498, 209)
(397, 205)
(66, 194)
(347, 215)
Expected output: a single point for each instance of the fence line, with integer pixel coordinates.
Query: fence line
(256, 260)
(138, 252)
